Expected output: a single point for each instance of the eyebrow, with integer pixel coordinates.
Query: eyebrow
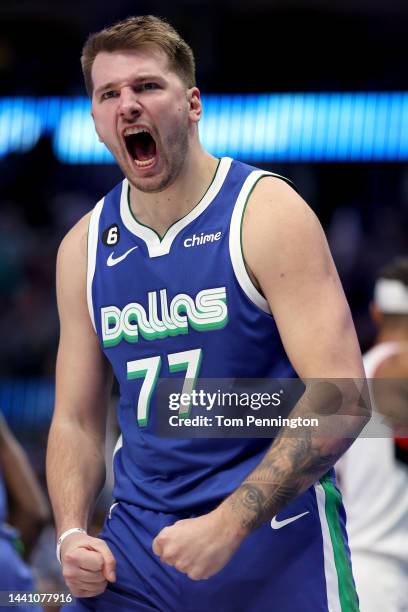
(138, 79)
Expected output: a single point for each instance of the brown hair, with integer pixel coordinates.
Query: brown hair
(133, 33)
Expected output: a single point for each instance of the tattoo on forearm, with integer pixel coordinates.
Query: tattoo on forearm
(287, 470)
(249, 505)
(252, 498)
(292, 464)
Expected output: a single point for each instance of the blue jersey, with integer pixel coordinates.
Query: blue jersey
(181, 302)
(184, 306)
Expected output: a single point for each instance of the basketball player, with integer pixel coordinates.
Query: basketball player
(140, 292)
(374, 471)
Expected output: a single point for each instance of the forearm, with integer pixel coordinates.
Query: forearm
(293, 464)
(75, 472)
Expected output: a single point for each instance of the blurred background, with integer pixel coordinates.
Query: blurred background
(316, 90)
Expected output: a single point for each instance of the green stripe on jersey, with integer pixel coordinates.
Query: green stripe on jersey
(347, 590)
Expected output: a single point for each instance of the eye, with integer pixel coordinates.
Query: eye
(150, 85)
(108, 94)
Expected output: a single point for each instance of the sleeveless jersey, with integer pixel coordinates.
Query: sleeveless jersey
(182, 305)
(374, 483)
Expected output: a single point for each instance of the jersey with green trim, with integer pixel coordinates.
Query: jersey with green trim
(181, 306)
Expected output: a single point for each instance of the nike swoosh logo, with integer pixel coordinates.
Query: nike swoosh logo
(275, 524)
(112, 261)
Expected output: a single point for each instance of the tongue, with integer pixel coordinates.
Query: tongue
(144, 148)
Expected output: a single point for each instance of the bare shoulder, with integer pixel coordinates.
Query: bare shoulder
(280, 228)
(275, 203)
(72, 264)
(286, 252)
(74, 243)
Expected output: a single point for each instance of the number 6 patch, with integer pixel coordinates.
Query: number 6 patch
(111, 235)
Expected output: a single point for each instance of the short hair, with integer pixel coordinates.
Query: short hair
(137, 32)
(396, 269)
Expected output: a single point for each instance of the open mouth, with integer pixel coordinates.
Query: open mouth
(141, 146)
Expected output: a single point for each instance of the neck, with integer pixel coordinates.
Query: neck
(160, 210)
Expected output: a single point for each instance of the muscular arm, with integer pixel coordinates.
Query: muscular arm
(288, 258)
(75, 457)
(75, 454)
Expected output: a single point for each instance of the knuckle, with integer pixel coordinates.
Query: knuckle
(76, 591)
(94, 560)
(99, 564)
(71, 556)
(68, 573)
(195, 575)
(170, 559)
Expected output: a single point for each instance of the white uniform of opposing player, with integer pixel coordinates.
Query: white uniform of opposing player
(374, 485)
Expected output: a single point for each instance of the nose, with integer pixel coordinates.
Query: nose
(129, 106)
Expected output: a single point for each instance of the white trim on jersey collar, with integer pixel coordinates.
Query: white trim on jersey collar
(391, 296)
(155, 246)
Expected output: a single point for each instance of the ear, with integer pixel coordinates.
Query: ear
(195, 106)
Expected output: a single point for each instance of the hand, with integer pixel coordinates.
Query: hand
(199, 547)
(87, 565)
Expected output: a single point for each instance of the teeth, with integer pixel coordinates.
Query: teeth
(146, 162)
(133, 130)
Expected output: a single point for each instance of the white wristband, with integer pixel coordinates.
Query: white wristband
(63, 536)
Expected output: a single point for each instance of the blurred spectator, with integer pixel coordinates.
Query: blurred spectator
(373, 473)
(24, 506)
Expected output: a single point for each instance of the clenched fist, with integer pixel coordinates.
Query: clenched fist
(199, 547)
(87, 565)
